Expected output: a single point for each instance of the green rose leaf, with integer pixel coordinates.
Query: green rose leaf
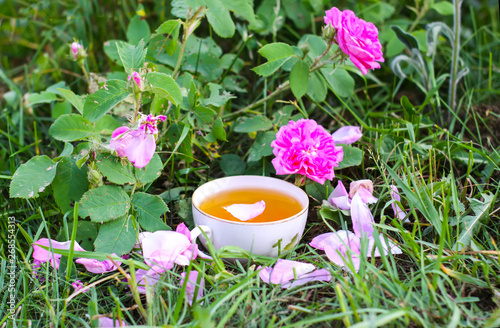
(70, 183)
(70, 96)
(262, 146)
(252, 124)
(149, 210)
(299, 78)
(352, 157)
(165, 86)
(108, 96)
(276, 54)
(32, 177)
(117, 236)
(138, 30)
(104, 203)
(150, 172)
(114, 170)
(232, 164)
(132, 57)
(71, 127)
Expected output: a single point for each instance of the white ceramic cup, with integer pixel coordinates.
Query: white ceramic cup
(259, 238)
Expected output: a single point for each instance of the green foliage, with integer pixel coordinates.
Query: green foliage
(32, 177)
(227, 75)
(149, 210)
(108, 96)
(71, 127)
(116, 237)
(104, 203)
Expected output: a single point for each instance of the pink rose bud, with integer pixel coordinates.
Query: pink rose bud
(137, 79)
(77, 50)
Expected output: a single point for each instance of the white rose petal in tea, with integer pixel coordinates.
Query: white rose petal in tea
(245, 212)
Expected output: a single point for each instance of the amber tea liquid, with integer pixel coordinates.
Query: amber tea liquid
(278, 206)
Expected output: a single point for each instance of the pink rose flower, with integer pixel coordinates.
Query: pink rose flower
(306, 148)
(356, 38)
(138, 145)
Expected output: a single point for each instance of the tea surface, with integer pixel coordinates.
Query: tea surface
(278, 206)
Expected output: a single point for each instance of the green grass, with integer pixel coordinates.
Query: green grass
(447, 169)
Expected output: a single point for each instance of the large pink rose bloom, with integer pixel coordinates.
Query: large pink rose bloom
(306, 148)
(356, 38)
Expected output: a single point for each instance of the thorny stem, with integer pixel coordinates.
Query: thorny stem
(456, 52)
(282, 88)
(187, 32)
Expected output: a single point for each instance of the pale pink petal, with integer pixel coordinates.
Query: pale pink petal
(340, 198)
(162, 248)
(96, 266)
(362, 218)
(146, 278)
(192, 285)
(347, 135)
(41, 255)
(319, 241)
(245, 212)
(141, 148)
(120, 140)
(181, 228)
(140, 238)
(110, 323)
(286, 270)
(77, 285)
(398, 212)
(265, 274)
(366, 196)
(389, 247)
(355, 185)
(341, 247)
(74, 49)
(316, 275)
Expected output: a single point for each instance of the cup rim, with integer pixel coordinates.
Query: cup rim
(305, 209)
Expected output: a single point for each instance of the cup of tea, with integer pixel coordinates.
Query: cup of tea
(277, 229)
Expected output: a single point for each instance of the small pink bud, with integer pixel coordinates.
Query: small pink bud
(137, 79)
(75, 46)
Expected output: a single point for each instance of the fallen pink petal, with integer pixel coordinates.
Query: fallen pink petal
(361, 216)
(245, 212)
(42, 255)
(347, 135)
(398, 212)
(192, 285)
(291, 274)
(146, 279)
(110, 323)
(77, 285)
(96, 266)
(163, 249)
(340, 198)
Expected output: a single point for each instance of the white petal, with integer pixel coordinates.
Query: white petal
(245, 212)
